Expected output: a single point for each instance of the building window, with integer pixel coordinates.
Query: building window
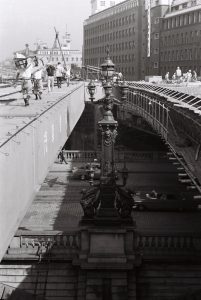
(156, 36)
(157, 20)
(112, 3)
(156, 65)
(199, 16)
(102, 3)
(156, 51)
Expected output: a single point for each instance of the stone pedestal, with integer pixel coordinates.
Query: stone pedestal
(103, 248)
(107, 257)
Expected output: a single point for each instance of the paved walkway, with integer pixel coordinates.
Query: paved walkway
(14, 115)
(57, 207)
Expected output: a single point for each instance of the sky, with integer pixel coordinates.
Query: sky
(26, 21)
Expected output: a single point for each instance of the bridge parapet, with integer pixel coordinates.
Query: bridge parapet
(67, 245)
(181, 96)
(29, 149)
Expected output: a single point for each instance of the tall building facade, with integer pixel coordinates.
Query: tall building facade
(155, 11)
(122, 28)
(98, 5)
(180, 37)
(147, 37)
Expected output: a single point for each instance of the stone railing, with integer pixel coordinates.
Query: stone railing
(38, 245)
(149, 244)
(81, 156)
(120, 156)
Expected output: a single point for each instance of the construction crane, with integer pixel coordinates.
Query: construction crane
(66, 67)
(57, 41)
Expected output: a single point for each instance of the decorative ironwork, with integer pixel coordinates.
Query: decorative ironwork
(107, 199)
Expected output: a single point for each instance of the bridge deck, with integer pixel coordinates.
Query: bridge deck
(14, 115)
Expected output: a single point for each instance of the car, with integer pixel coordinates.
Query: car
(83, 172)
(165, 202)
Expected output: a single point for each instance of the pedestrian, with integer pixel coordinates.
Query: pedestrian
(62, 158)
(167, 77)
(37, 78)
(195, 77)
(178, 73)
(120, 76)
(67, 75)
(188, 77)
(50, 69)
(59, 74)
(25, 67)
(174, 77)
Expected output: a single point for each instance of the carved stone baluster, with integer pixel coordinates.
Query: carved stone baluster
(70, 241)
(65, 241)
(58, 240)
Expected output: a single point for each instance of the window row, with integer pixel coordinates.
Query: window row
(182, 20)
(177, 55)
(113, 48)
(181, 38)
(111, 36)
(72, 59)
(110, 25)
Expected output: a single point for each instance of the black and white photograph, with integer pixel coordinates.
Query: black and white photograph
(100, 150)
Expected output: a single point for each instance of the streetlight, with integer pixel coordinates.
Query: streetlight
(107, 68)
(107, 201)
(91, 88)
(124, 90)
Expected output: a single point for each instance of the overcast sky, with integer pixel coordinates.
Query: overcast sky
(25, 21)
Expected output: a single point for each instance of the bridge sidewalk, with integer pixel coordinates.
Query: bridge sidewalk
(14, 115)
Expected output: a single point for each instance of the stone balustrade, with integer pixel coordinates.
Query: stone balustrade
(120, 156)
(145, 244)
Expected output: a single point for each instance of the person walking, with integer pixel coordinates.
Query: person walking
(25, 67)
(167, 79)
(178, 74)
(59, 74)
(37, 79)
(174, 77)
(195, 77)
(68, 75)
(50, 69)
(188, 77)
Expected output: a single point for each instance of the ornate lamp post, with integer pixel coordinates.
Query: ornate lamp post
(107, 201)
(107, 68)
(124, 91)
(91, 90)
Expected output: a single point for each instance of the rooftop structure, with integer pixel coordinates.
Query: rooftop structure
(98, 5)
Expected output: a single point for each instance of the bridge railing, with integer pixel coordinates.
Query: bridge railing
(181, 95)
(120, 156)
(171, 244)
(65, 245)
(151, 109)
